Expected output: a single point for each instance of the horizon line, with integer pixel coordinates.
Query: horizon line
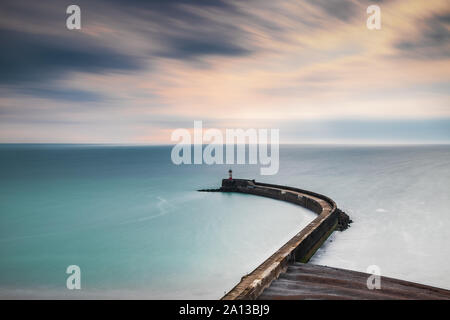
(381, 143)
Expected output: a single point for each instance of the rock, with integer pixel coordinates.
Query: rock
(343, 220)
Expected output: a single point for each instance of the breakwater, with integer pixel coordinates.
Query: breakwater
(285, 274)
(301, 247)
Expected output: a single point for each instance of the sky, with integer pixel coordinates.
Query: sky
(137, 70)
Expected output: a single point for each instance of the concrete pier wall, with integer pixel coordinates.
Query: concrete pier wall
(284, 275)
(300, 248)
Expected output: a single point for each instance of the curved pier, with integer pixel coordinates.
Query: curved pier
(301, 247)
(284, 275)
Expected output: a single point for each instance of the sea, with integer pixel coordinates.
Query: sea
(135, 225)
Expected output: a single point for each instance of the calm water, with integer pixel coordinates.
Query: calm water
(137, 228)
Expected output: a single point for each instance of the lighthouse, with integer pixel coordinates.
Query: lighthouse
(230, 174)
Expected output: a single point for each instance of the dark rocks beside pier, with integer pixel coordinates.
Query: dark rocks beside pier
(343, 220)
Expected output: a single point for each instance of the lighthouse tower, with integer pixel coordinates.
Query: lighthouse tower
(230, 174)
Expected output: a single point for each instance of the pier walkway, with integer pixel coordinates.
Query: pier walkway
(285, 274)
(307, 281)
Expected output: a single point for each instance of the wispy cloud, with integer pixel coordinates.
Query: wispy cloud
(136, 69)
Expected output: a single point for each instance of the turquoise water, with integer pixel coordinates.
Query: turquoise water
(131, 220)
(134, 224)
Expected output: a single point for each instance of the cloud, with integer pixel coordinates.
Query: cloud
(168, 6)
(73, 95)
(432, 42)
(32, 57)
(340, 9)
(185, 48)
(140, 65)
